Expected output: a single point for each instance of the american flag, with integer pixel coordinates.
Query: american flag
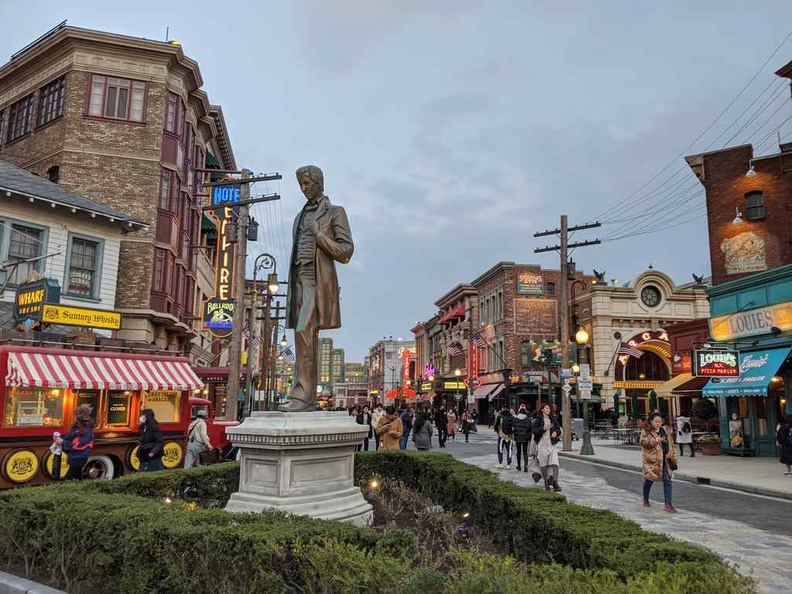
(288, 356)
(453, 349)
(255, 340)
(626, 349)
(478, 341)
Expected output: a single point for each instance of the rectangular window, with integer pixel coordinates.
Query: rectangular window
(160, 271)
(50, 104)
(33, 407)
(165, 190)
(551, 289)
(20, 116)
(754, 206)
(118, 408)
(165, 404)
(25, 243)
(174, 115)
(117, 98)
(84, 264)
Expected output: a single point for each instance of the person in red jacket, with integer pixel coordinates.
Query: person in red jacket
(78, 442)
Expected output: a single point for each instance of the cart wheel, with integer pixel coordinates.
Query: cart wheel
(99, 467)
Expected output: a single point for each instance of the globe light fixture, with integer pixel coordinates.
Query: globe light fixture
(750, 174)
(737, 219)
(457, 372)
(272, 282)
(283, 342)
(582, 337)
(575, 368)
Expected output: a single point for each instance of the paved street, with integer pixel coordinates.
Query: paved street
(726, 522)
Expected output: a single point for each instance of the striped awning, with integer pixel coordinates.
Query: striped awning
(44, 370)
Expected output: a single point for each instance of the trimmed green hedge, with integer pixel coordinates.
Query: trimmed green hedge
(537, 526)
(80, 536)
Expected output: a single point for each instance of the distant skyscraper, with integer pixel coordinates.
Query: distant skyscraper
(337, 369)
(325, 361)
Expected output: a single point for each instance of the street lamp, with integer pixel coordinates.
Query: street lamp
(582, 338)
(457, 396)
(263, 262)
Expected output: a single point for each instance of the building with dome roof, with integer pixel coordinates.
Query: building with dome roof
(630, 352)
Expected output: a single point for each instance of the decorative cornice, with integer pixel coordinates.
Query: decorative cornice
(254, 439)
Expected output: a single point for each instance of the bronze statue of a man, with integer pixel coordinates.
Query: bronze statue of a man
(321, 237)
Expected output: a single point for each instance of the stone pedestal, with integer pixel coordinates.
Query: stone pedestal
(300, 463)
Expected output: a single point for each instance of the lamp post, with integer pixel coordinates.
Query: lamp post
(582, 338)
(457, 396)
(263, 262)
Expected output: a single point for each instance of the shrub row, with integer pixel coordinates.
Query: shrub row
(540, 527)
(79, 537)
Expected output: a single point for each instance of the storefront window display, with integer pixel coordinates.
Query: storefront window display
(118, 408)
(33, 407)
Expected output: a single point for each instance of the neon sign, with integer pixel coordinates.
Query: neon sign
(218, 314)
(429, 370)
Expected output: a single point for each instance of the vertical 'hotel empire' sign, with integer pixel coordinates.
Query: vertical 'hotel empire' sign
(218, 315)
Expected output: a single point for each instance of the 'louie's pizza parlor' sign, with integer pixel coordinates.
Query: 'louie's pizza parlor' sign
(716, 363)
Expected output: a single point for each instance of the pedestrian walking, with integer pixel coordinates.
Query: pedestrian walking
(784, 440)
(546, 434)
(452, 423)
(684, 434)
(151, 448)
(364, 417)
(78, 442)
(441, 422)
(422, 433)
(659, 459)
(491, 418)
(197, 440)
(406, 419)
(504, 427)
(376, 416)
(522, 436)
(389, 429)
(465, 419)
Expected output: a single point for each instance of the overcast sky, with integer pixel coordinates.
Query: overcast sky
(452, 130)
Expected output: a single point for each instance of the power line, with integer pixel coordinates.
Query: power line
(604, 214)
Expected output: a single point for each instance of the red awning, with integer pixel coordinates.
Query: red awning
(459, 312)
(45, 370)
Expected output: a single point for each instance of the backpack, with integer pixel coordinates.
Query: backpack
(686, 428)
(507, 426)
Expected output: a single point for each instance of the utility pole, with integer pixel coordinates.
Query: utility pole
(239, 299)
(563, 233)
(265, 350)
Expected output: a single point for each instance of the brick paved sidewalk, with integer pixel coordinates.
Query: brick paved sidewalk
(765, 556)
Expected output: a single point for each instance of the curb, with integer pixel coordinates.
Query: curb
(11, 584)
(682, 476)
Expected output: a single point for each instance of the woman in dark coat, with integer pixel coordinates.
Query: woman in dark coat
(784, 440)
(422, 433)
(151, 447)
(78, 442)
(364, 418)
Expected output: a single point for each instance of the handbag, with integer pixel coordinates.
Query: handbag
(672, 465)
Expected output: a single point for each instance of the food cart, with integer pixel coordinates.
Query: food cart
(41, 387)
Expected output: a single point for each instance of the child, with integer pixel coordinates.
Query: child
(56, 448)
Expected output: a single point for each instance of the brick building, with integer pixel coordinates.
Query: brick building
(124, 122)
(515, 308)
(749, 207)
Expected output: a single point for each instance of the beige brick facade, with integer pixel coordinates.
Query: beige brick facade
(120, 163)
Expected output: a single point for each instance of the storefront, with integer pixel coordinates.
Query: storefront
(753, 315)
(41, 388)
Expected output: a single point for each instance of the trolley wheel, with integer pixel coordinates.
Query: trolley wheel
(99, 467)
